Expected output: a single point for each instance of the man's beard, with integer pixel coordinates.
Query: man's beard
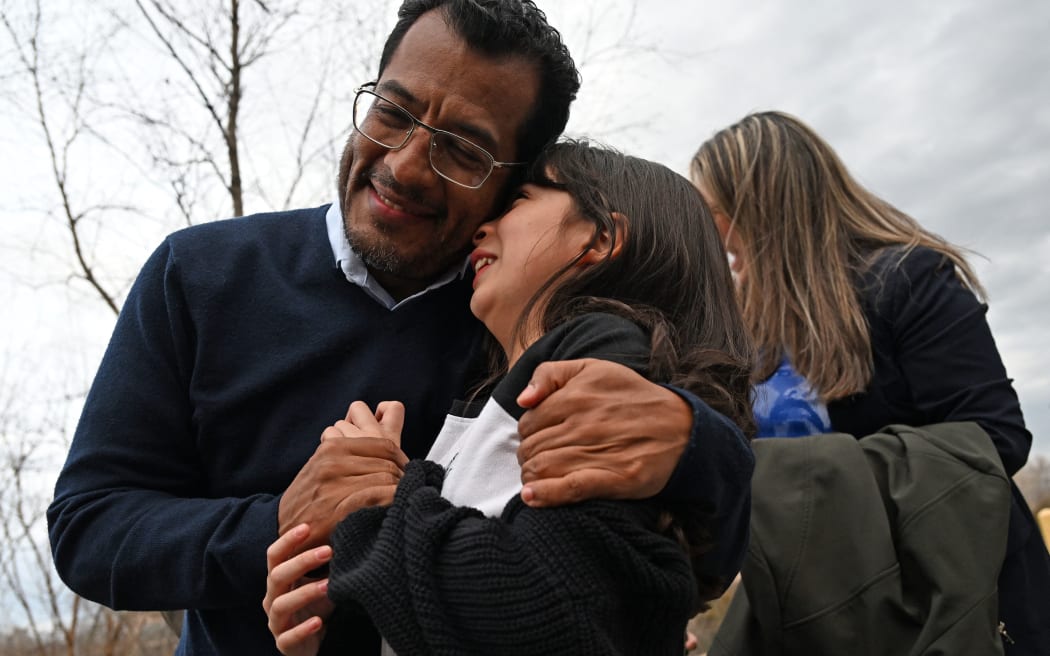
(378, 250)
(377, 254)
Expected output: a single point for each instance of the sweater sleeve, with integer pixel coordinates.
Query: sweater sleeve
(946, 353)
(714, 473)
(713, 476)
(439, 579)
(130, 524)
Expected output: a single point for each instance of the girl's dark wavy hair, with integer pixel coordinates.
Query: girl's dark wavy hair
(671, 277)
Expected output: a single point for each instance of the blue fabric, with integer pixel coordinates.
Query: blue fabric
(786, 406)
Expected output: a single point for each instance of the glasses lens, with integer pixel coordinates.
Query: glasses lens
(459, 160)
(381, 121)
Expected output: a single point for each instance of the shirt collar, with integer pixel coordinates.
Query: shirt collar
(355, 270)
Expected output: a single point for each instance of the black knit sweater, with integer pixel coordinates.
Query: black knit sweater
(593, 578)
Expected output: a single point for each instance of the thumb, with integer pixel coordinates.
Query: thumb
(547, 379)
(391, 416)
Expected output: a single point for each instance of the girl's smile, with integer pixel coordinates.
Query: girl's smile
(479, 260)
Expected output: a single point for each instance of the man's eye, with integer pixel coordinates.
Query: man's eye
(390, 115)
(465, 154)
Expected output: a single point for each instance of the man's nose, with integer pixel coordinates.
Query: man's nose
(410, 164)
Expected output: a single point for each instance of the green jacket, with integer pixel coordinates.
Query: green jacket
(886, 545)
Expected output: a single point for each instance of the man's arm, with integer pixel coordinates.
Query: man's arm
(596, 429)
(193, 428)
(599, 430)
(131, 525)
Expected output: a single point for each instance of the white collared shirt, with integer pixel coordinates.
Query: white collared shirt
(356, 271)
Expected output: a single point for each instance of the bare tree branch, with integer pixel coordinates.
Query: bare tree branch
(29, 56)
(186, 68)
(301, 160)
(201, 54)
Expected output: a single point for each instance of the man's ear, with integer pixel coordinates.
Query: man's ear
(607, 246)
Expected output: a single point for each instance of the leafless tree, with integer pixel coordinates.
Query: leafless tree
(53, 619)
(216, 113)
(607, 42)
(57, 106)
(213, 51)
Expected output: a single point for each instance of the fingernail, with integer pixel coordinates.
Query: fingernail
(300, 530)
(323, 553)
(323, 585)
(527, 494)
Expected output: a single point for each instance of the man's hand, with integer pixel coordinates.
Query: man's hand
(597, 430)
(357, 465)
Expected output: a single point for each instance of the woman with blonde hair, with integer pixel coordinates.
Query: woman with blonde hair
(862, 318)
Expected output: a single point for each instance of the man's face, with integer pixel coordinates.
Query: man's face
(407, 222)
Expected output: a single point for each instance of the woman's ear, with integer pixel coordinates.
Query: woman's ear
(607, 246)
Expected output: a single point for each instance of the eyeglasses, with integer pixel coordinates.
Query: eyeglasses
(451, 156)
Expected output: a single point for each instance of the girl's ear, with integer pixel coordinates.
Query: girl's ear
(607, 246)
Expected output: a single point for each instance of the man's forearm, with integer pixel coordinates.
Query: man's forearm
(141, 550)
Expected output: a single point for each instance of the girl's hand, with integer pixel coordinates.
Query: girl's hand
(296, 606)
(387, 422)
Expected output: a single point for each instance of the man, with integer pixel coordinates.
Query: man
(241, 340)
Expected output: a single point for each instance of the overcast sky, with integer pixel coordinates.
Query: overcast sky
(942, 108)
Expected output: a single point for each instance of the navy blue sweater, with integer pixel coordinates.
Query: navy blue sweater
(239, 343)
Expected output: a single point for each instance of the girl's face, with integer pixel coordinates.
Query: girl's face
(518, 252)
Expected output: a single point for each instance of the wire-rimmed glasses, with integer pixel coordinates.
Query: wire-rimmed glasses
(453, 157)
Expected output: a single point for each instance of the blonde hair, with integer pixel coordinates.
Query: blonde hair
(808, 232)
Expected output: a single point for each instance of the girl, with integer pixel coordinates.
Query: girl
(599, 255)
(861, 318)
